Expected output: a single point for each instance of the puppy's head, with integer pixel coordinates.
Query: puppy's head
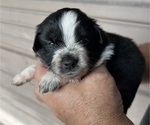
(69, 43)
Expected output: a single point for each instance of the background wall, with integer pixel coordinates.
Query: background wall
(18, 21)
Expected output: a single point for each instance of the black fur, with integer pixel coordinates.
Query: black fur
(126, 65)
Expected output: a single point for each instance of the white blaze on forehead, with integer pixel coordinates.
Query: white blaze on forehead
(68, 24)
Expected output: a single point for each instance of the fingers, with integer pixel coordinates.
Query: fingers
(98, 71)
(40, 70)
(39, 73)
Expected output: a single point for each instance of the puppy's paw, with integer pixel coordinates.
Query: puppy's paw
(18, 80)
(25, 76)
(48, 83)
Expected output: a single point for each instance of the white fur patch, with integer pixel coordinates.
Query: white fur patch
(49, 82)
(106, 54)
(25, 76)
(78, 51)
(68, 23)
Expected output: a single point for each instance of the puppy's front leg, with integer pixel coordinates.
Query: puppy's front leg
(25, 76)
(49, 82)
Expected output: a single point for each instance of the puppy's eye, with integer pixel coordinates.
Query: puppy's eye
(50, 44)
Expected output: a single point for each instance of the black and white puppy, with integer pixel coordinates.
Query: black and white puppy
(71, 44)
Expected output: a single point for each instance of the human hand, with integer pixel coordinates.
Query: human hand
(144, 48)
(94, 100)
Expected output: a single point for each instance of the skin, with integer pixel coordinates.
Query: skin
(144, 48)
(95, 100)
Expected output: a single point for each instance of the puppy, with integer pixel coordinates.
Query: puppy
(71, 44)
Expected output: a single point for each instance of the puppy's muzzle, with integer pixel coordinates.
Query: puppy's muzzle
(68, 63)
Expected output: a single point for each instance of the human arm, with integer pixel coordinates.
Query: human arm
(144, 48)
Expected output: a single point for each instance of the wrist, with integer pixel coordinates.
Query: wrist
(118, 120)
(124, 120)
(98, 120)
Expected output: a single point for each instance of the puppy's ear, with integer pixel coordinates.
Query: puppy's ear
(37, 43)
(102, 35)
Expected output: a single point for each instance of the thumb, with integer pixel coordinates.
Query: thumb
(98, 74)
(39, 73)
(99, 78)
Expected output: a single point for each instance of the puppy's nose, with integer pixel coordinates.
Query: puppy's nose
(68, 63)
